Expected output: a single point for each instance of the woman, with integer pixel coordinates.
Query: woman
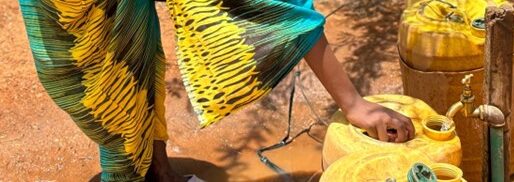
(102, 62)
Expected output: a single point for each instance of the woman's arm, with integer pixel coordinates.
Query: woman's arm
(372, 117)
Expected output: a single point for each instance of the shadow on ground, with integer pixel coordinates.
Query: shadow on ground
(377, 20)
(202, 169)
(299, 176)
(210, 172)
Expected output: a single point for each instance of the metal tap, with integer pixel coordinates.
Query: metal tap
(487, 113)
(465, 105)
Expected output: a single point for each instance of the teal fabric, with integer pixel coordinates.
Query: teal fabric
(78, 53)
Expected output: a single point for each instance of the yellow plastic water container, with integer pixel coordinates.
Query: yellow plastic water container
(409, 3)
(343, 139)
(380, 166)
(443, 35)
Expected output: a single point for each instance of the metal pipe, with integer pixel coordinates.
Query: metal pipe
(496, 154)
(492, 115)
(496, 121)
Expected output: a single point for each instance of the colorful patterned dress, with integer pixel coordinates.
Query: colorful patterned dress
(102, 62)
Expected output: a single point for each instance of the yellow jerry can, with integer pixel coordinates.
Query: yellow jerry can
(443, 35)
(387, 165)
(343, 139)
(410, 3)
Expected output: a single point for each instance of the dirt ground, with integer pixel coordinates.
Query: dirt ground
(39, 142)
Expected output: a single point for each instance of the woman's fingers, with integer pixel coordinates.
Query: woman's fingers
(404, 128)
(372, 132)
(403, 135)
(401, 131)
(407, 125)
(382, 132)
(410, 128)
(383, 124)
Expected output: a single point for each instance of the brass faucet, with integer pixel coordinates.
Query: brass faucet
(466, 100)
(488, 113)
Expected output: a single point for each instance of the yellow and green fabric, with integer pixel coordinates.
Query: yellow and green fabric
(102, 62)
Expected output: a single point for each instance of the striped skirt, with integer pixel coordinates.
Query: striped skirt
(102, 62)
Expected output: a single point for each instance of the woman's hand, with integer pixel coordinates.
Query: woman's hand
(378, 120)
(361, 113)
